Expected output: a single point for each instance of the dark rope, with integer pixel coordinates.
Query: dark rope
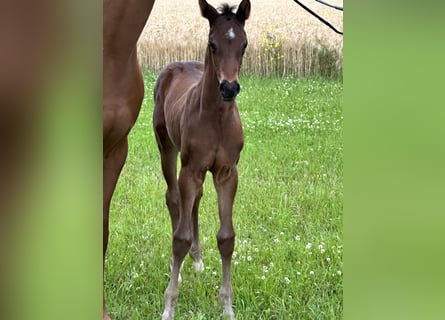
(330, 5)
(318, 17)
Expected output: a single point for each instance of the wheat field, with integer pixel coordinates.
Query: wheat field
(284, 39)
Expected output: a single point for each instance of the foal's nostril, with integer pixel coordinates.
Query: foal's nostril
(229, 90)
(237, 87)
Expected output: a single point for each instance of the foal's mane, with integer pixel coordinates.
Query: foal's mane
(226, 10)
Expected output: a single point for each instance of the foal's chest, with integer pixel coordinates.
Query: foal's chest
(214, 142)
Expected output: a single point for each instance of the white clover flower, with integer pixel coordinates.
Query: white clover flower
(287, 280)
(281, 233)
(339, 272)
(328, 259)
(298, 273)
(311, 273)
(263, 277)
(249, 258)
(309, 245)
(297, 237)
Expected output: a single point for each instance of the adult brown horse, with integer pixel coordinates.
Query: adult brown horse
(123, 90)
(196, 114)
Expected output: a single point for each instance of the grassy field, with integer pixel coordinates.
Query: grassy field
(283, 38)
(288, 213)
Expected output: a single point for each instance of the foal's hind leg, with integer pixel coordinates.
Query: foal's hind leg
(169, 156)
(226, 183)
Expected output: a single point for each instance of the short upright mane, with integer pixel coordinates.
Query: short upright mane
(225, 9)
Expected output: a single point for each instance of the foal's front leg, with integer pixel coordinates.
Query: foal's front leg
(190, 185)
(196, 250)
(226, 183)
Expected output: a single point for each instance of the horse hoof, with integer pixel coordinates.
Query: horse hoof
(167, 315)
(198, 265)
(228, 313)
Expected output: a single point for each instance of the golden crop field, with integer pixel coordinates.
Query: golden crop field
(284, 39)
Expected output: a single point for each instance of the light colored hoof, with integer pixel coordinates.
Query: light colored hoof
(198, 265)
(228, 313)
(167, 315)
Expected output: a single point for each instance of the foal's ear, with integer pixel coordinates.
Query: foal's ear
(207, 11)
(243, 11)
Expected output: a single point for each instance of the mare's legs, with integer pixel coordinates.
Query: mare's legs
(190, 188)
(112, 166)
(226, 183)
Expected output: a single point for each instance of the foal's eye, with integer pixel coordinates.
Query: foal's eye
(212, 46)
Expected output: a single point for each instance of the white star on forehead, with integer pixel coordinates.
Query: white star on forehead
(230, 34)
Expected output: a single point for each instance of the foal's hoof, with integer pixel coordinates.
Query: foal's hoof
(228, 313)
(167, 315)
(198, 265)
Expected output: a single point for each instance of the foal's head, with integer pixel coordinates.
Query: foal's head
(227, 43)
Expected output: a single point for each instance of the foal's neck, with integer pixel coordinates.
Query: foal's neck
(211, 100)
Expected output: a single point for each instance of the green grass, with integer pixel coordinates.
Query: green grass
(287, 214)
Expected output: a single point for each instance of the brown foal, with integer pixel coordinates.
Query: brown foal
(123, 90)
(196, 114)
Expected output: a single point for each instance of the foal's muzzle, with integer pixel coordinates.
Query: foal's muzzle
(229, 90)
